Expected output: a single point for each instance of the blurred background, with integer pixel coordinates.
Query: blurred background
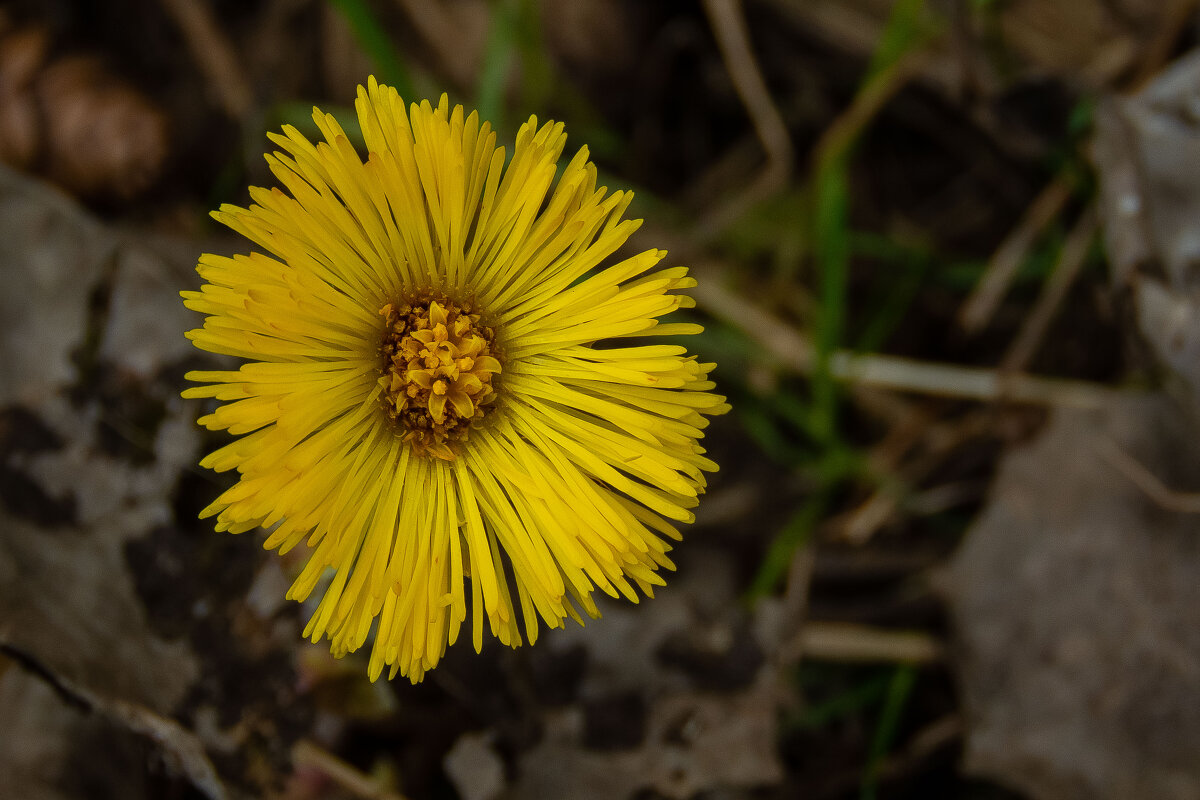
(947, 253)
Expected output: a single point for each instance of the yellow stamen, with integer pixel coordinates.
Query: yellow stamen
(438, 366)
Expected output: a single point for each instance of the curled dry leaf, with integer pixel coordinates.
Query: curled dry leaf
(21, 54)
(1147, 155)
(73, 121)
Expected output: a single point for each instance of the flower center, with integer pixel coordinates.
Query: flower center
(439, 361)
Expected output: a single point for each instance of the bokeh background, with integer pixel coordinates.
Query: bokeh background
(947, 256)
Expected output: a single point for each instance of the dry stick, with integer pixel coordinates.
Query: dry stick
(1158, 51)
(846, 642)
(977, 310)
(213, 54)
(781, 340)
(435, 25)
(844, 130)
(946, 496)
(885, 458)
(924, 743)
(974, 383)
(431, 20)
(793, 351)
(1147, 481)
(713, 180)
(306, 753)
(180, 747)
(796, 592)
(1070, 261)
(869, 517)
(729, 26)
(863, 522)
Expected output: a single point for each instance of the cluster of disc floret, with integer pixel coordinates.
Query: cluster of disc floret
(439, 362)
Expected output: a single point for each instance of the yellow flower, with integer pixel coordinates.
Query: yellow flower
(431, 390)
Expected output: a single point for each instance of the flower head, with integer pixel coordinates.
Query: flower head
(435, 398)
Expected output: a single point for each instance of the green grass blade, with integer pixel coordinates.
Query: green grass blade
(375, 42)
(899, 690)
(498, 54)
(907, 28)
(832, 251)
(843, 705)
(795, 534)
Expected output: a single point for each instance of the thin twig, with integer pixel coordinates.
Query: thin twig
(1158, 51)
(1066, 269)
(712, 180)
(846, 642)
(797, 588)
(1147, 481)
(863, 521)
(979, 307)
(972, 383)
(937, 440)
(733, 39)
(213, 53)
(784, 343)
(924, 743)
(433, 21)
(793, 351)
(940, 499)
(871, 98)
(179, 747)
(307, 753)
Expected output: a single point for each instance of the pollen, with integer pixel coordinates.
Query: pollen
(438, 367)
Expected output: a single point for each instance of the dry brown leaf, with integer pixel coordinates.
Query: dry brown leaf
(104, 596)
(73, 121)
(694, 743)
(1147, 155)
(1074, 599)
(680, 701)
(69, 608)
(21, 55)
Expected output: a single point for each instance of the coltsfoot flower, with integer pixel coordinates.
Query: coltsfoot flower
(435, 398)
